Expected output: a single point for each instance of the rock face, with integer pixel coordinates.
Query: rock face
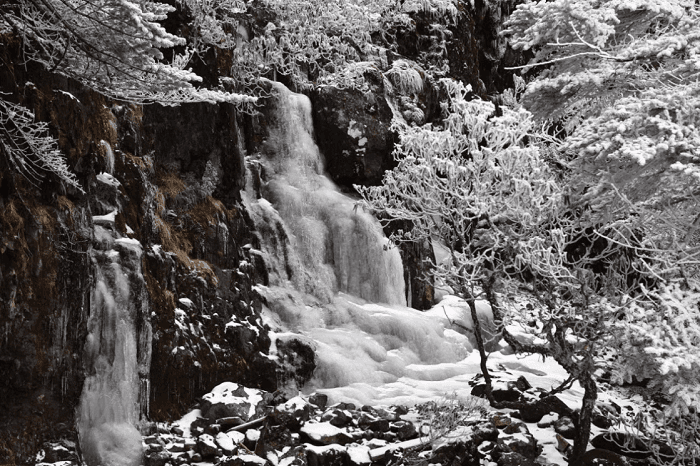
(168, 178)
(352, 131)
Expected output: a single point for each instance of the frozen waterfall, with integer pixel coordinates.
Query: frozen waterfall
(329, 267)
(109, 407)
(312, 236)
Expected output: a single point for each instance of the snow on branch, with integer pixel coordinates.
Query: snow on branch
(28, 148)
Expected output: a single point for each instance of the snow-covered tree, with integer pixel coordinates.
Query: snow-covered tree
(29, 148)
(310, 41)
(111, 46)
(620, 79)
(483, 185)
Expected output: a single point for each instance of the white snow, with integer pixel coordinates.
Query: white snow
(69, 95)
(107, 218)
(359, 454)
(225, 442)
(187, 420)
(187, 302)
(106, 178)
(319, 430)
(224, 393)
(253, 459)
(128, 242)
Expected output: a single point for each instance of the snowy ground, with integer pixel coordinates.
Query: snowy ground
(377, 355)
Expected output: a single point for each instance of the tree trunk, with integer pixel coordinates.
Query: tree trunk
(583, 421)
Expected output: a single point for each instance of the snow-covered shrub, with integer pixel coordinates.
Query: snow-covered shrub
(407, 78)
(449, 415)
(481, 185)
(29, 148)
(662, 343)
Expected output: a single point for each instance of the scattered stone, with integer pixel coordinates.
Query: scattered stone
(228, 447)
(535, 411)
(565, 427)
(58, 451)
(319, 399)
(176, 447)
(233, 400)
(515, 459)
(337, 417)
(484, 431)
(499, 394)
(522, 384)
(273, 438)
(212, 429)
(157, 458)
(379, 425)
(547, 420)
(404, 430)
(330, 455)
(207, 447)
(325, 433)
(519, 441)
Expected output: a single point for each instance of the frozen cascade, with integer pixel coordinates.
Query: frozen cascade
(332, 246)
(328, 267)
(117, 355)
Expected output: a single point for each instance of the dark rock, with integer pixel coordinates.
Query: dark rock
(158, 458)
(325, 433)
(212, 429)
(456, 453)
(519, 441)
(337, 418)
(565, 427)
(207, 447)
(331, 456)
(501, 420)
(522, 384)
(297, 455)
(379, 425)
(515, 459)
(299, 360)
(233, 400)
(535, 411)
(273, 438)
(319, 399)
(404, 430)
(484, 431)
(515, 427)
(291, 414)
(499, 394)
(353, 132)
(57, 451)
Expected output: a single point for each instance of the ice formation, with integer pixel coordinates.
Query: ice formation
(109, 405)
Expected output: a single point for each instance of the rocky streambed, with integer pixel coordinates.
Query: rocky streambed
(238, 426)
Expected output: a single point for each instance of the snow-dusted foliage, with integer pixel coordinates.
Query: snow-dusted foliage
(621, 76)
(662, 343)
(112, 46)
(310, 41)
(29, 148)
(558, 266)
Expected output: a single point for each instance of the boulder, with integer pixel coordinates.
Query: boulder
(324, 433)
(331, 455)
(353, 131)
(207, 447)
(233, 400)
